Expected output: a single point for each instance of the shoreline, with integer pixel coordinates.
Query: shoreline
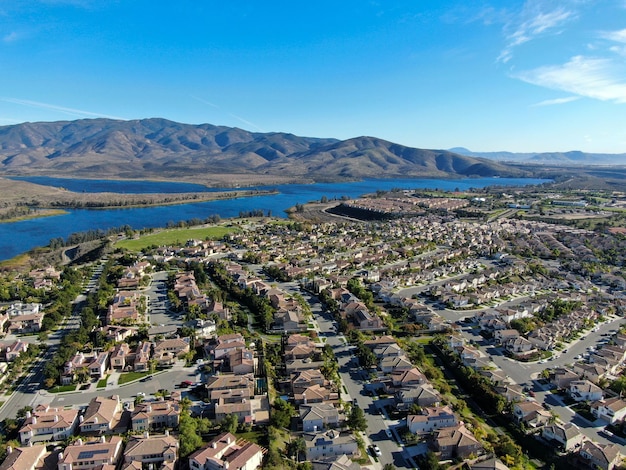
(43, 213)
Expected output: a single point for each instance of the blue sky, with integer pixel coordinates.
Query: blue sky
(528, 76)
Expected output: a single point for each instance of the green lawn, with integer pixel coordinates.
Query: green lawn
(130, 376)
(63, 388)
(175, 237)
(103, 381)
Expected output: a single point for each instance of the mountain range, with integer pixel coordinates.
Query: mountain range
(574, 157)
(158, 148)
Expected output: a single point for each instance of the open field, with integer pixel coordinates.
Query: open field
(175, 236)
(21, 194)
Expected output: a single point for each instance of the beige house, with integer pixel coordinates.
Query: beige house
(159, 452)
(24, 458)
(431, 419)
(612, 410)
(226, 451)
(167, 351)
(325, 445)
(605, 457)
(102, 415)
(91, 455)
(48, 424)
(319, 416)
(567, 435)
(155, 415)
(456, 441)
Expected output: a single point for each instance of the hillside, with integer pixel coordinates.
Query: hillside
(571, 158)
(158, 148)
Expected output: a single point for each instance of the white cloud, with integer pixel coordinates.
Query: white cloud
(617, 36)
(583, 76)
(534, 21)
(62, 109)
(552, 102)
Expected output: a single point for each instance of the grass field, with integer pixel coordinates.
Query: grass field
(62, 388)
(175, 237)
(130, 376)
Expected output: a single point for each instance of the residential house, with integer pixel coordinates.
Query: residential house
(71, 367)
(224, 344)
(91, 455)
(343, 462)
(155, 415)
(327, 444)
(431, 419)
(48, 424)
(227, 452)
(504, 335)
(407, 377)
(154, 452)
(99, 364)
(120, 357)
(117, 334)
(230, 382)
(306, 378)
(422, 395)
(566, 435)
(562, 378)
(363, 319)
(299, 346)
(315, 394)
(531, 413)
(583, 390)
(203, 329)
(243, 409)
(167, 351)
(24, 458)
(511, 392)
(289, 320)
(102, 415)
(390, 364)
(612, 409)
(319, 416)
(456, 442)
(600, 456)
(21, 308)
(491, 463)
(13, 350)
(385, 340)
(519, 346)
(22, 324)
(240, 361)
(142, 356)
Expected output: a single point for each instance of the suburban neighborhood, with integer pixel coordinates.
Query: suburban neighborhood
(421, 339)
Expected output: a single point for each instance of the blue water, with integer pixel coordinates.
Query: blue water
(18, 237)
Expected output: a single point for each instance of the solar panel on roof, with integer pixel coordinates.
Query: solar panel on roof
(89, 454)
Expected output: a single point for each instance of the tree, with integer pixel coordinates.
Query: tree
(187, 435)
(230, 423)
(356, 419)
(296, 448)
(283, 411)
(389, 466)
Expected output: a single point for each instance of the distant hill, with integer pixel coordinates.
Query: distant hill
(158, 148)
(573, 157)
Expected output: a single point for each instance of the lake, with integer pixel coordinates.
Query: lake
(18, 237)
